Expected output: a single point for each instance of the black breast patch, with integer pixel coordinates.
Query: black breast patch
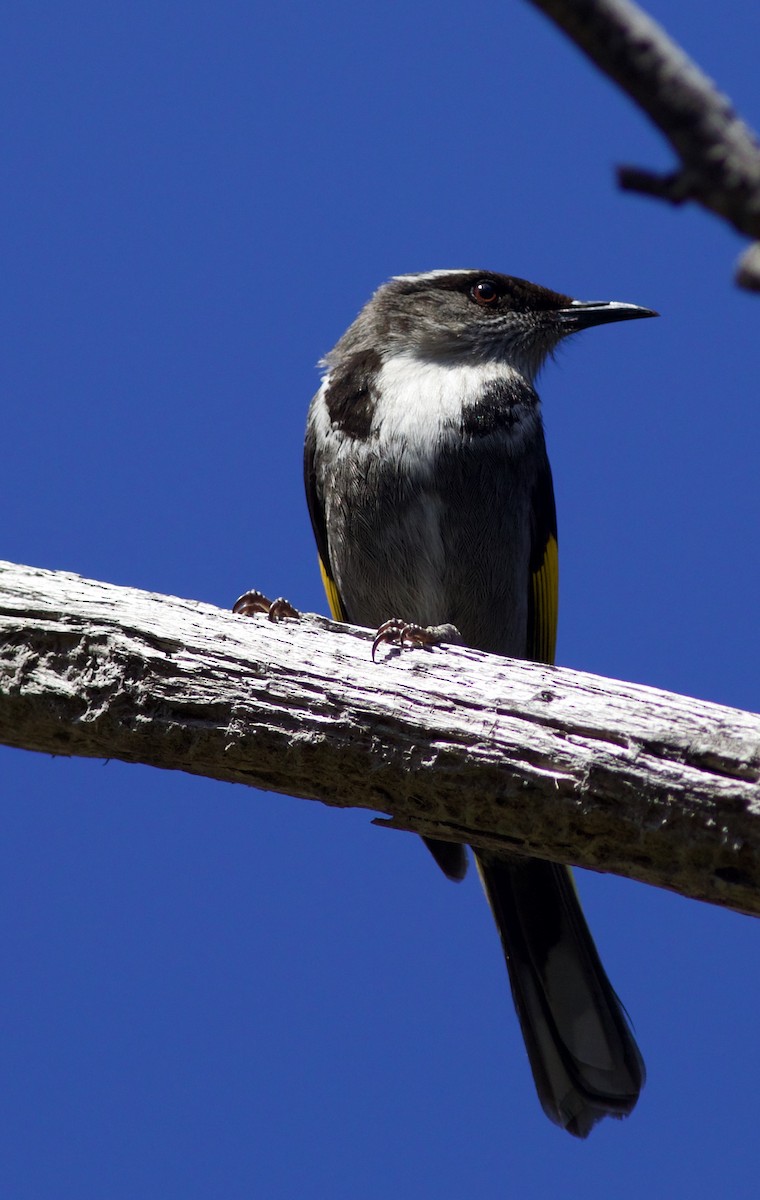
(501, 405)
(352, 394)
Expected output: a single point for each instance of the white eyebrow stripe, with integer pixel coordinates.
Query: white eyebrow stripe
(422, 275)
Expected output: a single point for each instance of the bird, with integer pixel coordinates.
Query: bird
(432, 504)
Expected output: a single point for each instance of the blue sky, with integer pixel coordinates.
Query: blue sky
(208, 991)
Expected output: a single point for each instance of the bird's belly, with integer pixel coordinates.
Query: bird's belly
(437, 555)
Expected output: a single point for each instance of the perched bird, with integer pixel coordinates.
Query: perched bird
(432, 504)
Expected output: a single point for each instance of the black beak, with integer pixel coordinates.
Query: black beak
(582, 314)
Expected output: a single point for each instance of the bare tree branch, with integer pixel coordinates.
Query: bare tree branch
(719, 154)
(452, 743)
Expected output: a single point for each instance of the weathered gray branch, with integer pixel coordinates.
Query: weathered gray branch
(453, 743)
(719, 154)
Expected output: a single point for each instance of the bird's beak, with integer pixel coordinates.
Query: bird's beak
(582, 314)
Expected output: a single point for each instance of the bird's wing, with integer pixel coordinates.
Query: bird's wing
(543, 588)
(331, 588)
(317, 514)
(585, 1062)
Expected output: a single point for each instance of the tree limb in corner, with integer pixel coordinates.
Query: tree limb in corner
(719, 154)
(450, 743)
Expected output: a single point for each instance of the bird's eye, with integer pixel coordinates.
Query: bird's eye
(484, 292)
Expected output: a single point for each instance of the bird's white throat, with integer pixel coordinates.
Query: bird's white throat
(420, 401)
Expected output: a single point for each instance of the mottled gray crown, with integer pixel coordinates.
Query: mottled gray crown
(471, 315)
(437, 314)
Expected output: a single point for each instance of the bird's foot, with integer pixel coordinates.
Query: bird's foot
(405, 633)
(254, 602)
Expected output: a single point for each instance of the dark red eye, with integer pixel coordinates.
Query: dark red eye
(484, 292)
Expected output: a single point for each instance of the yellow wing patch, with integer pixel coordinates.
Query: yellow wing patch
(545, 585)
(333, 599)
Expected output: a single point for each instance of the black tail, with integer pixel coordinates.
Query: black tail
(585, 1062)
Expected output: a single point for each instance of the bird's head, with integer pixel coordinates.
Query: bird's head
(472, 315)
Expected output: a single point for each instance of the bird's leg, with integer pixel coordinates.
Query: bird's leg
(405, 633)
(254, 602)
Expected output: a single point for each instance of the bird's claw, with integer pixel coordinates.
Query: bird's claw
(254, 602)
(405, 633)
